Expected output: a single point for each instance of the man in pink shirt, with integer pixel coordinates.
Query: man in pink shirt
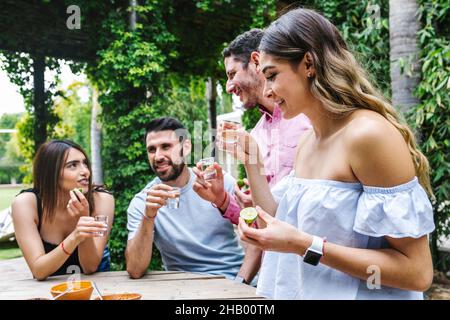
(277, 138)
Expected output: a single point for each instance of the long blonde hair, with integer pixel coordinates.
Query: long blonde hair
(340, 83)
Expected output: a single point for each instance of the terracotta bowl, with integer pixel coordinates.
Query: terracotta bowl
(81, 290)
(121, 296)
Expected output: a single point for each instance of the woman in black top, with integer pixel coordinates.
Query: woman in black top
(54, 221)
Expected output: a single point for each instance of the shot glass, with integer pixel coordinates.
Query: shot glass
(209, 173)
(104, 219)
(229, 131)
(174, 203)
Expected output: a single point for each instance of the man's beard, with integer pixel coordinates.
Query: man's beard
(251, 90)
(250, 103)
(171, 174)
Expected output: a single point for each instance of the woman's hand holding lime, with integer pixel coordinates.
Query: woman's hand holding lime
(276, 236)
(78, 204)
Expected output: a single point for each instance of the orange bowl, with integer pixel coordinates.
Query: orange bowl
(121, 296)
(81, 290)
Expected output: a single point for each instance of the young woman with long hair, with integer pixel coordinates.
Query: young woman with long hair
(353, 217)
(54, 222)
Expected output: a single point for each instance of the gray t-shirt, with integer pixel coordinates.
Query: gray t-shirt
(193, 238)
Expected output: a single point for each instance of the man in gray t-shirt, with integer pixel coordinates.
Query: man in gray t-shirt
(194, 237)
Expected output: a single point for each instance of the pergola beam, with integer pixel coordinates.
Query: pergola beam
(40, 110)
(40, 28)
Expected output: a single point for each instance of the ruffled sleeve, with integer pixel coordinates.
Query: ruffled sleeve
(398, 212)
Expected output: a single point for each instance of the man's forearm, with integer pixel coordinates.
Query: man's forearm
(251, 264)
(139, 249)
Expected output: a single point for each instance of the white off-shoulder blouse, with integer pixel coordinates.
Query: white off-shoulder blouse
(347, 214)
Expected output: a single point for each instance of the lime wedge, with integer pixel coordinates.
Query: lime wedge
(249, 214)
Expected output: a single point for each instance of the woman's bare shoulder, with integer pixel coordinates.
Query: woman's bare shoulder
(25, 199)
(23, 204)
(377, 150)
(366, 127)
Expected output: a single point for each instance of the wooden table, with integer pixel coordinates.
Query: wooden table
(16, 282)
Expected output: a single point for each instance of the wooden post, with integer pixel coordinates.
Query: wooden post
(211, 95)
(96, 140)
(40, 109)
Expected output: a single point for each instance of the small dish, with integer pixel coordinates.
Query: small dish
(121, 296)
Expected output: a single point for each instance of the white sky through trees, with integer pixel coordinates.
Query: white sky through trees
(12, 102)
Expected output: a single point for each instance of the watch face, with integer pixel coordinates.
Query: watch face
(312, 257)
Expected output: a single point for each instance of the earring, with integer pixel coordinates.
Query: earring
(309, 75)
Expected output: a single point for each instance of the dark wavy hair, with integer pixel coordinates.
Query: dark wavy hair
(243, 45)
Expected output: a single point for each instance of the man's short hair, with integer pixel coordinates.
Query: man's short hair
(165, 123)
(244, 44)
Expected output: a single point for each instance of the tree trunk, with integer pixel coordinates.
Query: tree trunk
(96, 141)
(133, 16)
(40, 109)
(403, 29)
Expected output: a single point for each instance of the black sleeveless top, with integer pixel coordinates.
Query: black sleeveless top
(73, 258)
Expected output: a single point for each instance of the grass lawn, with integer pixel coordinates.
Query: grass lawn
(9, 250)
(7, 195)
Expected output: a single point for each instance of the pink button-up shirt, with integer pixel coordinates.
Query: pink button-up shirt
(277, 140)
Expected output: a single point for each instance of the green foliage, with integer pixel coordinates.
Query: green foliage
(7, 121)
(136, 85)
(26, 145)
(431, 117)
(10, 158)
(365, 27)
(19, 67)
(130, 76)
(75, 116)
(12, 161)
(264, 12)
